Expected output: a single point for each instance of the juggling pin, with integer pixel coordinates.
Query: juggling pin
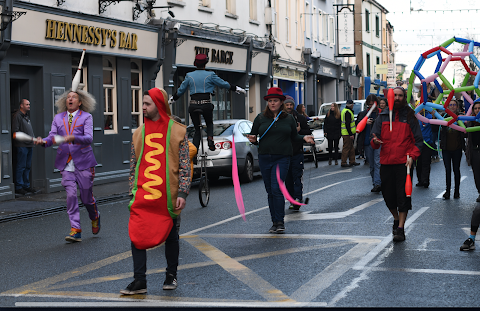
(57, 140)
(361, 125)
(76, 79)
(20, 136)
(408, 181)
(390, 99)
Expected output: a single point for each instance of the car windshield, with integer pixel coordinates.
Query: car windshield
(357, 107)
(315, 124)
(219, 129)
(324, 110)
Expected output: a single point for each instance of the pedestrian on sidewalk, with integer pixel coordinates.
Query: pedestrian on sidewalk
(161, 164)
(24, 150)
(473, 139)
(332, 132)
(405, 138)
(348, 135)
(425, 159)
(452, 143)
(277, 130)
(75, 159)
(294, 180)
(372, 155)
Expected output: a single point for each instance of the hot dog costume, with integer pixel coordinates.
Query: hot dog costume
(162, 173)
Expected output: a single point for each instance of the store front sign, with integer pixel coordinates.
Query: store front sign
(220, 56)
(54, 31)
(260, 63)
(287, 74)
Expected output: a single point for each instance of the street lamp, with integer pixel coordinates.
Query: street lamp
(7, 17)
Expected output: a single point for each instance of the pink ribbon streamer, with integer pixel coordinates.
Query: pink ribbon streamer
(284, 189)
(236, 181)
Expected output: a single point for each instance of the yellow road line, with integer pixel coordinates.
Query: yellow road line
(241, 272)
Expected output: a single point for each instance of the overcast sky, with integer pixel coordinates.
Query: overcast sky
(418, 31)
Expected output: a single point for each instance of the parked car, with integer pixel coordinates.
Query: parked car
(358, 106)
(219, 162)
(321, 143)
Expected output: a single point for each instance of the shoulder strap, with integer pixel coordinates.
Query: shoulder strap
(270, 125)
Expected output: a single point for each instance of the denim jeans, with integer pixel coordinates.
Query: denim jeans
(268, 166)
(373, 158)
(24, 164)
(294, 181)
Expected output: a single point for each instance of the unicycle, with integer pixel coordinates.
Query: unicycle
(203, 187)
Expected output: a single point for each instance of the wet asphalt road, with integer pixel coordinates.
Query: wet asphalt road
(336, 252)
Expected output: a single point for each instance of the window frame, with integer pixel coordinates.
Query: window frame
(377, 26)
(308, 22)
(113, 87)
(331, 29)
(253, 14)
(368, 60)
(287, 22)
(367, 20)
(138, 88)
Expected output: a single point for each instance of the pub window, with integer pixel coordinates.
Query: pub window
(253, 10)
(83, 76)
(231, 6)
(136, 87)
(109, 93)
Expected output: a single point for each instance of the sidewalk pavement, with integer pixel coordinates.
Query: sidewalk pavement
(38, 202)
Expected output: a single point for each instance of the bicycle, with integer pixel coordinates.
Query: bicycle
(203, 186)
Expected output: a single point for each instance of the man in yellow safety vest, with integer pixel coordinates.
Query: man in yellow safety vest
(348, 134)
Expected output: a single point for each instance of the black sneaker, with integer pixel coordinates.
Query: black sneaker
(399, 235)
(134, 288)
(273, 229)
(22, 192)
(376, 188)
(280, 227)
(354, 164)
(395, 226)
(170, 282)
(32, 190)
(211, 144)
(468, 245)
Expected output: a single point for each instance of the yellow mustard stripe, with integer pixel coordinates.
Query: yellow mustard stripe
(157, 180)
(241, 272)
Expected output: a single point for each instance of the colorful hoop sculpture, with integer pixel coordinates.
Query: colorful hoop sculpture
(454, 121)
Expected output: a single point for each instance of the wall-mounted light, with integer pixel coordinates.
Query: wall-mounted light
(7, 17)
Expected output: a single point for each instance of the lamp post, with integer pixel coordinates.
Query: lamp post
(7, 16)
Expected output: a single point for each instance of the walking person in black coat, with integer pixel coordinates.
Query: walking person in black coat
(332, 131)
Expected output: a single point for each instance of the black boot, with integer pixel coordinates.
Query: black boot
(456, 193)
(330, 161)
(446, 195)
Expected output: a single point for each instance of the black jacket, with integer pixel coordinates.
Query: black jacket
(21, 123)
(304, 130)
(360, 116)
(332, 126)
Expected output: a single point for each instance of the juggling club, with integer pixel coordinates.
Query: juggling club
(20, 136)
(76, 79)
(361, 125)
(390, 99)
(408, 181)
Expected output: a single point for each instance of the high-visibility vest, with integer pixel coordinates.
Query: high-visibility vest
(352, 123)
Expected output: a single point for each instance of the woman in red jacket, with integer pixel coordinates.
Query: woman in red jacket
(405, 138)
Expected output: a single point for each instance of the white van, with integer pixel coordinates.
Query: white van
(359, 105)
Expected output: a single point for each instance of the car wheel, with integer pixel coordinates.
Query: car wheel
(247, 174)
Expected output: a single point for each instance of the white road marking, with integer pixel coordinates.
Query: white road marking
(335, 215)
(333, 173)
(430, 271)
(139, 303)
(265, 207)
(370, 256)
(441, 194)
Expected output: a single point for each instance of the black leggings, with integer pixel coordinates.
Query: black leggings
(207, 112)
(475, 219)
(475, 162)
(450, 157)
(333, 146)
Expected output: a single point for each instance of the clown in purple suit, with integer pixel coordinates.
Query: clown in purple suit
(75, 158)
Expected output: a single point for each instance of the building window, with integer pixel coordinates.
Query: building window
(377, 26)
(204, 3)
(109, 91)
(287, 21)
(325, 28)
(231, 7)
(368, 65)
(315, 24)
(307, 20)
(275, 21)
(378, 63)
(253, 10)
(136, 87)
(83, 75)
(367, 20)
(331, 28)
(297, 35)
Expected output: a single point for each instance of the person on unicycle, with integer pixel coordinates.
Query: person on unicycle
(201, 84)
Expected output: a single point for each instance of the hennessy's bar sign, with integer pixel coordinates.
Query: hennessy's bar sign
(217, 56)
(57, 30)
